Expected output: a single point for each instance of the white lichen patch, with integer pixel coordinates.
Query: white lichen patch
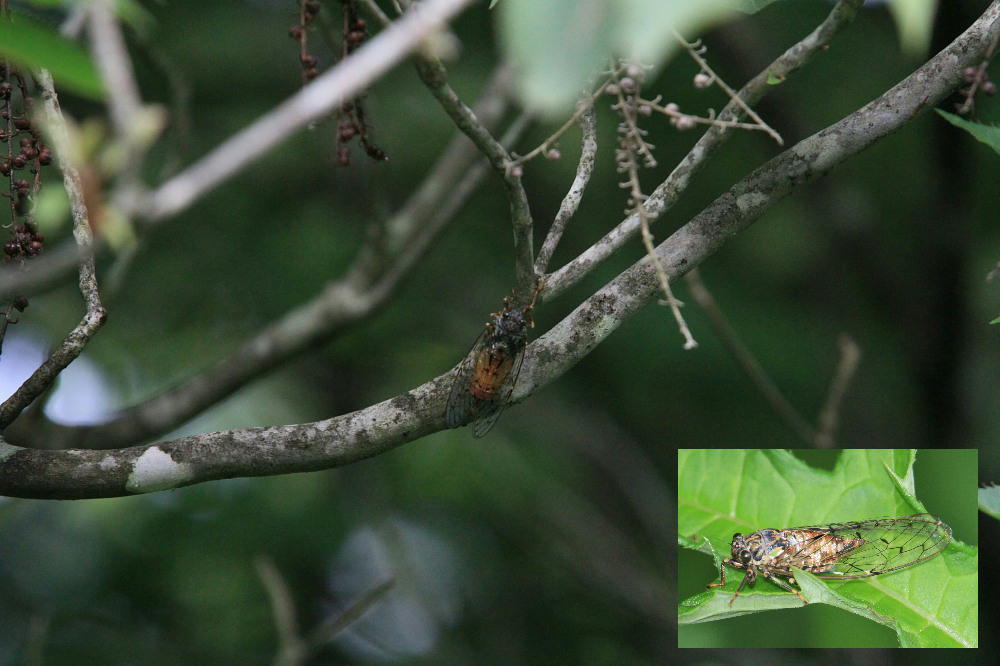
(750, 201)
(155, 470)
(107, 463)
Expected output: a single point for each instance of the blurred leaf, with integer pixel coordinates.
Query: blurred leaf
(726, 491)
(996, 321)
(51, 209)
(914, 22)
(34, 45)
(989, 497)
(556, 45)
(988, 134)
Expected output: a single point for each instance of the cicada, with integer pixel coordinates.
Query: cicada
(486, 377)
(836, 551)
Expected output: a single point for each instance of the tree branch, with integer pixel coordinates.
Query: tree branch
(570, 203)
(368, 283)
(434, 76)
(95, 315)
(379, 428)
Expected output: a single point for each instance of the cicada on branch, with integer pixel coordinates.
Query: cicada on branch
(485, 379)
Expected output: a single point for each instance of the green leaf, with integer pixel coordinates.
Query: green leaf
(557, 44)
(773, 80)
(35, 45)
(996, 321)
(989, 499)
(493, 3)
(721, 492)
(988, 134)
(914, 22)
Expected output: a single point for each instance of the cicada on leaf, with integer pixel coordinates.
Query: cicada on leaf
(837, 551)
(485, 379)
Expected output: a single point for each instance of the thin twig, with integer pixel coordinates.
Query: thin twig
(659, 108)
(571, 202)
(581, 108)
(115, 68)
(746, 360)
(693, 51)
(435, 77)
(829, 415)
(95, 315)
(978, 78)
(334, 624)
(292, 648)
(634, 151)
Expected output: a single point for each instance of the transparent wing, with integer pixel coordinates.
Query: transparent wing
(491, 410)
(890, 544)
(461, 403)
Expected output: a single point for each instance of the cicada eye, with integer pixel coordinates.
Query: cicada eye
(737, 536)
(745, 556)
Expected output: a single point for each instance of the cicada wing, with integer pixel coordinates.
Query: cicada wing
(461, 402)
(892, 544)
(490, 411)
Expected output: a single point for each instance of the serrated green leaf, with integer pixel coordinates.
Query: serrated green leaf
(34, 45)
(988, 134)
(721, 492)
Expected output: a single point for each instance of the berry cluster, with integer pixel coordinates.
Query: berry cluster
(975, 74)
(22, 156)
(26, 242)
(977, 80)
(21, 169)
(351, 115)
(310, 63)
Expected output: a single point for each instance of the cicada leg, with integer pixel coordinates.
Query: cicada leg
(722, 575)
(782, 584)
(749, 577)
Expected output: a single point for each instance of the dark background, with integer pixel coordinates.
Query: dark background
(551, 540)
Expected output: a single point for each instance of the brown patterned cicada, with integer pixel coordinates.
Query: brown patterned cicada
(485, 379)
(836, 551)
